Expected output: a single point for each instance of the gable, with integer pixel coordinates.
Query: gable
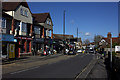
(22, 17)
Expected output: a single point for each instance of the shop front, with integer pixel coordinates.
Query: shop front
(9, 46)
(38, 45)
(48, 45)
(24, 46)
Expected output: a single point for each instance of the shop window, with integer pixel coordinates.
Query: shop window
(23, 46)
(3, 23)
(28, 46)
(4, 49)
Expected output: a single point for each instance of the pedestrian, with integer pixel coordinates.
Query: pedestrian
(33, 52)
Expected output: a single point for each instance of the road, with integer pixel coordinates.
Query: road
(68, 68)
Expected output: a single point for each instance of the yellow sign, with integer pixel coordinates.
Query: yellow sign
(11, 50)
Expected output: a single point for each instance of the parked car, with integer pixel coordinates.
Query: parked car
(71, 52)
(91, 51)
(79, 51)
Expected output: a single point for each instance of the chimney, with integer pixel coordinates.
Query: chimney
(109, 35)
(119, 35)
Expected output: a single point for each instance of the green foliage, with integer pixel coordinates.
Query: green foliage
(114, 44)
(113, 53)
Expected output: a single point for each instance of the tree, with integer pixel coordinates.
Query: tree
(86, 41)
(97, 39)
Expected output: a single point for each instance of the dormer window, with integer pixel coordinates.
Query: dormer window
(21, 11)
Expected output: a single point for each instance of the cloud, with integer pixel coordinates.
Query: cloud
(87, 34)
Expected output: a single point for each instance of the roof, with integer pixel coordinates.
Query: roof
(92, 43)
(12, 6)
(114, 39)
(6, 15)
(60, 36)
(41, 17)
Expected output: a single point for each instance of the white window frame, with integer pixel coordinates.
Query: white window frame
(47, 22)
(4, 22)
(26, 13)
(50, 23)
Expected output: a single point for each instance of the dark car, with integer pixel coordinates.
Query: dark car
(71, 52)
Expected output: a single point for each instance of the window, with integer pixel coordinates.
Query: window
(47, 33)
(50, 23)
(24, 27)
(21, 11)
(26, 13)
(47, 22)
(3, 23)
(37, 30)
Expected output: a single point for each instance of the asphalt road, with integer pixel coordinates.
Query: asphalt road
(69, 68)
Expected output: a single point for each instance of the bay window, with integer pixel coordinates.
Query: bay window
(37, 30)
(24, 27)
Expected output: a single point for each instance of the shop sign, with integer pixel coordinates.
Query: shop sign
(39, 40)
(29, 38)
(5, 37)
(24, 38)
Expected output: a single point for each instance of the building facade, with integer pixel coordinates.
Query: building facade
(44, 25)
(21, 25)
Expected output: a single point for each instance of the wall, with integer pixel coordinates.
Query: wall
(47, 25)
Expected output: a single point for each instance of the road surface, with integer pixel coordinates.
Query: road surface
(68, 68)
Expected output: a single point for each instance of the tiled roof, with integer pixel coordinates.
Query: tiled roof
(12, 6)
(114, 40)
(41, 17)
(60, 36)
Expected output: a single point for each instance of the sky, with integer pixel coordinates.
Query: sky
(91, 18)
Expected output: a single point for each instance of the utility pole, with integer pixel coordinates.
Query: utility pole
(64, 30)
(64, 25)
(77, 34)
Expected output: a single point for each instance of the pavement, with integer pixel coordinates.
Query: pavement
(28, 59)
(100, 70)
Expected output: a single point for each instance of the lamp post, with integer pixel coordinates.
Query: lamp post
(111, 54)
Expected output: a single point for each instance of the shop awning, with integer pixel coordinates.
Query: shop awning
(6, 37)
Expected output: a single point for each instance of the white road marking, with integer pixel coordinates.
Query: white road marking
(24, 70)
